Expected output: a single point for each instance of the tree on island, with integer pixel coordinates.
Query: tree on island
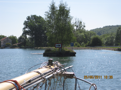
(59, 27)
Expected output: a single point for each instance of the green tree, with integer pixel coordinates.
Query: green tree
(35, 28)
(2, 36)
(89, 35)
(118, 37)
(108, 39)
(76, 44)
(24, 37)
(59, 27)
(21, 41)
(96, 41)
(83, 37)
(14, 39)
(79, 31)
(79, 25)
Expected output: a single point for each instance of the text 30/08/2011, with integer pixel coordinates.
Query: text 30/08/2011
(97, 77)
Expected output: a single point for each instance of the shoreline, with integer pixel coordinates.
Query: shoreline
(77, 48)
(94, 48)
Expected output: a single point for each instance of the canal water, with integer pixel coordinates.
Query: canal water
(106, 64)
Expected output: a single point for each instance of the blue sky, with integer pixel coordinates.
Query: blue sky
(94, 13)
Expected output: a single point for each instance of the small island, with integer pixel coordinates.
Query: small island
(58, 52)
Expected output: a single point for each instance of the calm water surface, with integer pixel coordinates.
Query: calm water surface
(15, 62)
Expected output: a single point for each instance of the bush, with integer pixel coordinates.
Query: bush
(88, 44)
(65, 50)
(13, 46)
(57, 50)
(76, 44)
(48, 50)
(96, 41)
(7, 44)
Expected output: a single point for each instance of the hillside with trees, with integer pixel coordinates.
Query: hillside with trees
(106, 29)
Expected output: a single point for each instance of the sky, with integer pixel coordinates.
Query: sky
(94, 13)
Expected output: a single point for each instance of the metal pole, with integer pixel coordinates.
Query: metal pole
(63, 83)
(75, 83)
(37, 87)
(45, 84)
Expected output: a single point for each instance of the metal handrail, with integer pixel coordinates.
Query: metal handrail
(46, 77)
(91, 84)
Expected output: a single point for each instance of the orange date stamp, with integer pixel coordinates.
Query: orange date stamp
(97, 77)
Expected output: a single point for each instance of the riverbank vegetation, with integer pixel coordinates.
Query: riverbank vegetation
(57, 27)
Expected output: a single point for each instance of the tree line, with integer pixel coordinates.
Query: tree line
(57, 27)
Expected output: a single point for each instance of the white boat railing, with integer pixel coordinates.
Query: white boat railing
(42, 83)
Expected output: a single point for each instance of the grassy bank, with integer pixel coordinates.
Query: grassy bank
(105, 48)
(70, 48)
